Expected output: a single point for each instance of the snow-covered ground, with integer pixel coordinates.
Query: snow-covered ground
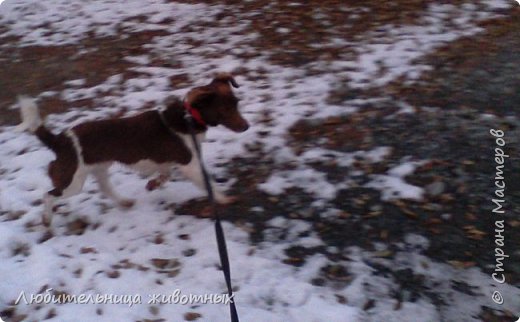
(148, 249)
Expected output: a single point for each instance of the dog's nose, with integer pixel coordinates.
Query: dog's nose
(238, 125)
(245, 126)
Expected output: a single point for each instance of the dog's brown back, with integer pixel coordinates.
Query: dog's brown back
(129, 140)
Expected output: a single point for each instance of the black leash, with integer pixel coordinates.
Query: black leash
(221, 240)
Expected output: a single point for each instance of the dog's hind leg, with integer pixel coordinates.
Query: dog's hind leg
(67, 180)
(101, 175)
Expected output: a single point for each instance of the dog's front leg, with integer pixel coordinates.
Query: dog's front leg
(48, 208)
(193, 172)
(101, 175)
(164, 175)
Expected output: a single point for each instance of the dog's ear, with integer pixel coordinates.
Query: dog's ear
(225, 78)
(199, 94)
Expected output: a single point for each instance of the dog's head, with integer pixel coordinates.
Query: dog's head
(217, 104)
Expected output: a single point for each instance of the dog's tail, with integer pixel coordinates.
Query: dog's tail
(32, 122)
(31, 119)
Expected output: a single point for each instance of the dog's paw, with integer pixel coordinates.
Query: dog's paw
(157, 182)
(153, 184)
(126, 203)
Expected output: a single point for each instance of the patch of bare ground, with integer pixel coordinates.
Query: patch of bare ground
(455, 213)
(32, 70)
(479, 72)
(297, 33)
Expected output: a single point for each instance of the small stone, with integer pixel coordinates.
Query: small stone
(77, 227)
(318, 281)
(51, 314)
(192, 316)
(87, 250)
(341, 299)
(446, 216)
(113, 274)
(154, 310)
(184, 236)
(435, 188)
(174, 273)
(189, 252)
(159, 239)
(162, 263)
(159, 262)
(77, 273)
(369, 304)
(46, 236)
(21, 249)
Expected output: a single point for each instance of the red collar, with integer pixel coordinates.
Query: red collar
(194, 113)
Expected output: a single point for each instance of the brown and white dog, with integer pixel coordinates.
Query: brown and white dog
(151, 142)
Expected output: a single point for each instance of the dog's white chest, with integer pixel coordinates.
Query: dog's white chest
(188, 140)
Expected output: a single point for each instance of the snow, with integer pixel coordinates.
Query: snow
(399, 57)
(394, 186)
(309, 180)
(267, 289)
(72, 21)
